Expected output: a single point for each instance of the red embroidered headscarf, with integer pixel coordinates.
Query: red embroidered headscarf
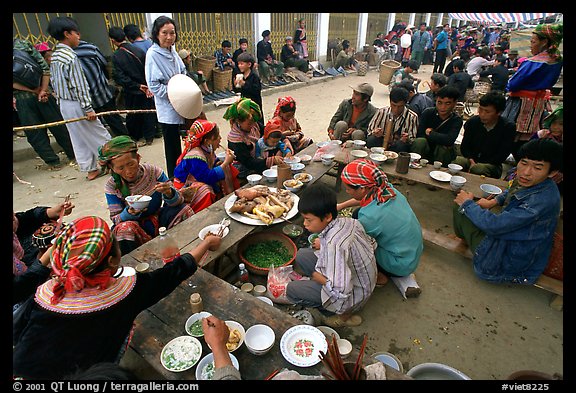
(199, 129)
(272, 125)
(365, 173)
(287, 103)
(80, 249)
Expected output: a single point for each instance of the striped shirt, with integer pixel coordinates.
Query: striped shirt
(406, 122)
(94, 65)
(346, 258)
(67, 77)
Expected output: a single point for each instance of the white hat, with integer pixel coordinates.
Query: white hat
(185, 96)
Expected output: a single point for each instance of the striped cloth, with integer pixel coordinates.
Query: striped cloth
(94, 65)
(406, 122)
(68, 79)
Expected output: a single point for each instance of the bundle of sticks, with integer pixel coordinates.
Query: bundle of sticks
(333, 362)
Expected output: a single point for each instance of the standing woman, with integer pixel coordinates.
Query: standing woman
(300, 43)
(199, 170)
(162, 63)
(528, 86)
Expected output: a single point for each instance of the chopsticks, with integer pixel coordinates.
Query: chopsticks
(272, 374)
(61, 216)
(220, 233)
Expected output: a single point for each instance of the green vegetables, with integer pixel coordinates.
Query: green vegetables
(268, 253)
(196, 328)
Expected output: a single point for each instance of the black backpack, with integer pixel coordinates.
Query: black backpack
(25, 70)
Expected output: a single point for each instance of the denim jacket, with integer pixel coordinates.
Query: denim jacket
(519, 239)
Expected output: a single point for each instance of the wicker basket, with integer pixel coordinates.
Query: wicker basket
(222, 80)
(206, 64)
(387, 69)
(362, 68)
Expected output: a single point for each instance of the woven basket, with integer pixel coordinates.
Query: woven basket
(362, 68)
(387, 69)
(481, 88)
(206, 64)
(222, 80)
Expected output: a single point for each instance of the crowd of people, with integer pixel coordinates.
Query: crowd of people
(66, 296)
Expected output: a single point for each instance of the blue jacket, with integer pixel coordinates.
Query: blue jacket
(518, 240)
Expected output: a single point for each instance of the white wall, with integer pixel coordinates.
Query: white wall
(322, 36)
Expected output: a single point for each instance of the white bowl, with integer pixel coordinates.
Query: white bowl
(292, 160)
(415, 157)
(377, 150)
(303, 177)
(344, 347)
(270, 175)
(233, 325)
(202, 374)
(221, 155)
(389, 359)
(359, 153)
(359, 143)
(489, 190)
(327, 158)
(193, 318)
(436, 371)
(293, 185)
(454, 168)
(265, 300)
(297, 167)
(322, 144)
(328, 332)
(214, 228)
(336, 142)
(259, 339)
(305, 158)
(138, 202)
(142, 267)
(254, 179)
(457, 182)
(379, 158)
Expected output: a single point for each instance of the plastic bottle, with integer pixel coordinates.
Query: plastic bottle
(243, 276)
(168, 246)
(196, 303)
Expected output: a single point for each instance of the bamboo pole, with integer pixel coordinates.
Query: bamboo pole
(61, 122)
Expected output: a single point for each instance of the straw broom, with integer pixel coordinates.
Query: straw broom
(58, 123)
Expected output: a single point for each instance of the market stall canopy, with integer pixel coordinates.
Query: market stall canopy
(499, 17)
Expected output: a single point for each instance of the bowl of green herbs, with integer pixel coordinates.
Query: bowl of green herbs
(262, 250)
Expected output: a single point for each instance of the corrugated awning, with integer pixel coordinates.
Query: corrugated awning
(499, 17)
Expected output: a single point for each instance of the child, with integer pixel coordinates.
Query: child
(285, 111)
(341, 265)
(247, 82)
(273, 143)
(71, 87)
(404, 73)
(553, 126)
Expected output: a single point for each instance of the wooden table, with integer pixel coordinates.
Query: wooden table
(421, 175)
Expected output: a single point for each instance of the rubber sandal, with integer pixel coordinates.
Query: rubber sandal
(101, 173)
(335, 321)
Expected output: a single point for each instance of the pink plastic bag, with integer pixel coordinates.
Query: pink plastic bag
(278, 279)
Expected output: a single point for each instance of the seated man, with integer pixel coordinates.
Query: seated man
(291, 57)
(416, 101)
(224, 57)
(404, 73)
(437, 81)
(267, 59)
(499, 74)
(514, 245)
(345, 57)
(341, 266)
(132, 227)
(353, 116)
(488, 138)
(438, 128)
(197, 76)
(460, 80)
(401, 121)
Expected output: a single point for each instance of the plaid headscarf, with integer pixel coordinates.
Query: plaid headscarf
(365, 173)
(198, 130)
(115, 147)
(554, 34)
(242, 109)
(79, 249)
(283, 102)
(552, 117)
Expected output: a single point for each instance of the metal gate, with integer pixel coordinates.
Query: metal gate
(33, 26)
(377, 23)
(285, 24)
(343, 26)
(202, 33)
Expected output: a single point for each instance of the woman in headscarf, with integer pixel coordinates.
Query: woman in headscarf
(285, 111)
(133, 227)
(86, 312)
(387, 216)
(530, 85)
(198, 169)
(244, 116)
(300, 42)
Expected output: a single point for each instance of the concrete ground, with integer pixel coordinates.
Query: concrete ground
(486, 331)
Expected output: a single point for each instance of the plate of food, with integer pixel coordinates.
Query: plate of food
(301, 345)
(440, 176)
(181, 353)
(390, 155)
(261, 205)
(205, 369)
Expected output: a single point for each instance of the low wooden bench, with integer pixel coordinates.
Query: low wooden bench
(459, 247)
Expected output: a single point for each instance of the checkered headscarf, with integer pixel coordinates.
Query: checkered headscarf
(79, 250)
(554, 34)
(364, 173)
